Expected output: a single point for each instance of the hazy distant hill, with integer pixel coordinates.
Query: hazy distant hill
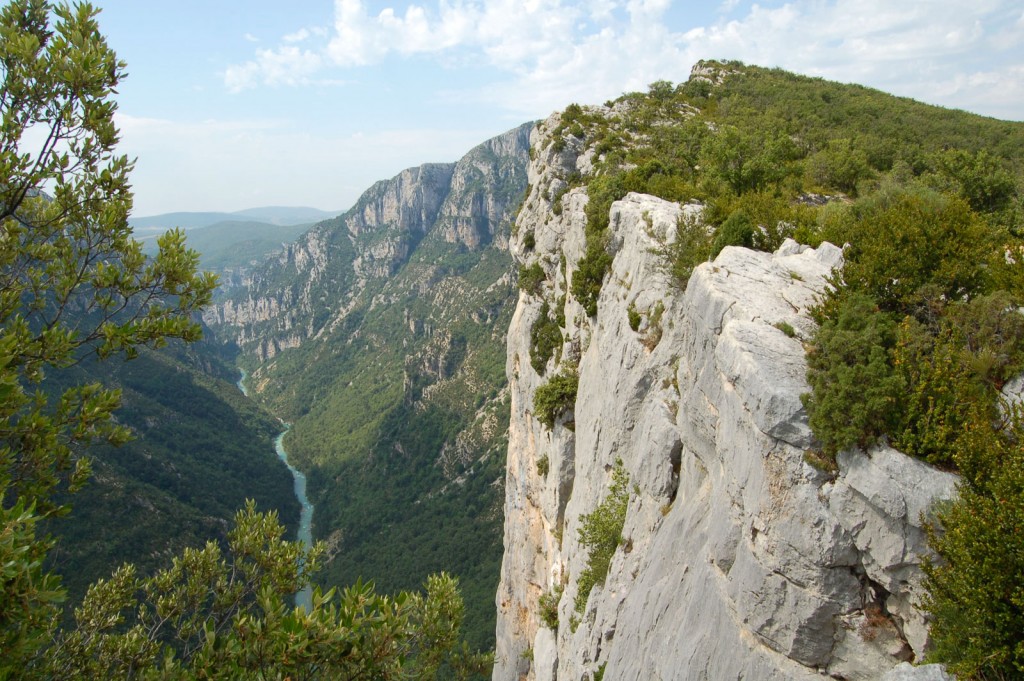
(236, 243)
(274, 215)
(286, 215)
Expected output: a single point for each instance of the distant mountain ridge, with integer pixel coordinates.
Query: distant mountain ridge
(274, 215)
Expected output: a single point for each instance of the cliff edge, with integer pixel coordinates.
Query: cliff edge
(739, 558)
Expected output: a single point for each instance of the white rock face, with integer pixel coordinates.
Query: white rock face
(740, 559)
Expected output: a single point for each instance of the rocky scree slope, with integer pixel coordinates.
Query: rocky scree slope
(739, 559)
(380, 336)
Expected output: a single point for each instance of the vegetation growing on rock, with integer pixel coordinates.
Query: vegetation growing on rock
(556, 397)
(600, 534)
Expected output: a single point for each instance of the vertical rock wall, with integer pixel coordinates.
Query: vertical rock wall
(740, 559)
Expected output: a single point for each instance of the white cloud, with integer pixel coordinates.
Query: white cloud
(297, 37)
(551, 50)
(287, 65)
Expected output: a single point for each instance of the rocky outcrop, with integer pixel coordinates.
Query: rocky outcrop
(740, 559)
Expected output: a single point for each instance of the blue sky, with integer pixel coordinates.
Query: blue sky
(232, 104)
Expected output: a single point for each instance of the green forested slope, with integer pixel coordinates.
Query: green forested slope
(200, 450)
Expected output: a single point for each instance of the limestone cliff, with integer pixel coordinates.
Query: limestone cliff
(739, 558)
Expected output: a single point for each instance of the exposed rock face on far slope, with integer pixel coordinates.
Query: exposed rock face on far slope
(740, 559)
(317, 282)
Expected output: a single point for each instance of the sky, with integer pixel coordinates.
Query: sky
(234, 104)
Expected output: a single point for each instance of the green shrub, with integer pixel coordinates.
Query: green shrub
(856, 393)
(601, 534)
(840, 165)
(941, 393)
(737, 230)
(545, 339)
(555, 397)
(531, 278)
(991, 330)
(786, 328)
(691, 247)
(529, 241)
(976, 589)
(774, 215)
(549, 608)
(634, 317)
(589, 275)
(748, 158)
(543, 466)
(981, 179)
(904, 242)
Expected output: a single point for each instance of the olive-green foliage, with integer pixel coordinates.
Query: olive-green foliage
(555, 397)
(979, 178)
(786, 328)
(73, 283)
(691, 247)
(840, 165)
(990, 329)
(549, 608)
(634, 317)
(543, 466)
(940, 392)
(976, 588)
(902, 242)
(855, 391)
(600, 534)
(545, 339)
(590, 273)
(775, 216)
(531, 278)
(220, 616)
(737, 230)
(745, 159)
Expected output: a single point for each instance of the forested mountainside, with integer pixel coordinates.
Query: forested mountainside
(380, 336)
(200, 449)
(734, 443)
